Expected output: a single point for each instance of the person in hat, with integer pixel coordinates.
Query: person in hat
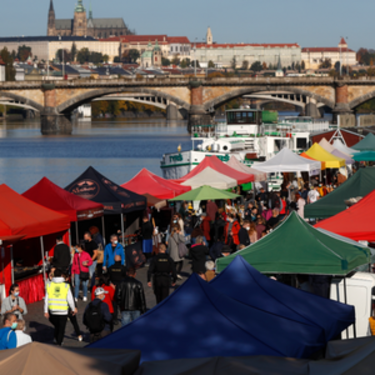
(97, 317)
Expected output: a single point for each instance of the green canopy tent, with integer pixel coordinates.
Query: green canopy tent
(204, 193)
(295, 247)
(366, 144)
(359, 185)
(365, 156)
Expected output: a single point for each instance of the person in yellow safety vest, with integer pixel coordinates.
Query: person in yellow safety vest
(57, 301)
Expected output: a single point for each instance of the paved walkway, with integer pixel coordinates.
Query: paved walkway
(41, 329)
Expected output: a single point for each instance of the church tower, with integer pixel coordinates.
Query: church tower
(209, 37)
(80, 20)
(51, 28)
(90, 24)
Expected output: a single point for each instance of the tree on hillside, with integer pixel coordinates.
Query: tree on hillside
(303, 66)
(325, 64)
(134, 55)
(195, 62)
(23, 53)
(165, 62)
(63, 55)
(73, 52)
(83, 55)
(183, 64)
(233, 63)
(10, 72)
(211, 64)
(256, 66)
(264, 66)
(245, 65)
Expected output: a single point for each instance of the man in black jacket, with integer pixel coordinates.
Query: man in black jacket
(162, 266)
(243, 234)
(61, 258)
(130, 296)
(198, 253)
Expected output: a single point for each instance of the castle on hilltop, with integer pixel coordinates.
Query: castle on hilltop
(80, 25)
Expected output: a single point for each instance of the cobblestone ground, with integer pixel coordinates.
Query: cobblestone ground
(41, 329)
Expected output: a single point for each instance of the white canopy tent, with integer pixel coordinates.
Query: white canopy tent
(211, 178)
(327, 146)
(338, 145)
(287, 161)
(238, 166)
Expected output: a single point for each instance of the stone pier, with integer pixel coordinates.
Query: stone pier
(197, 114)
(342, 106)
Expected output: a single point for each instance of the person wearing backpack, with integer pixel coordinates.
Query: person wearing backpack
(175, 239)
(97, 317)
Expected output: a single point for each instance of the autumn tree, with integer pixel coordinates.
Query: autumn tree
(264, 66)
(303, 66)
(325, 64)
(245, 65)
(23, 53)
(211, 64)
(10, 72)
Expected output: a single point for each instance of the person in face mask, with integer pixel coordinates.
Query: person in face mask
(22, 337)
(14, 303)
(110, 251)
(243, 234)
(8, 338)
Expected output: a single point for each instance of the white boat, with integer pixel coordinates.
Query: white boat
(245, 135)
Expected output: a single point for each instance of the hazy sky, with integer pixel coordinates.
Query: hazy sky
(309, 23)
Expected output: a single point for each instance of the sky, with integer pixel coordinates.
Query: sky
(318, 23)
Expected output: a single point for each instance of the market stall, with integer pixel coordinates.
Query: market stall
(364, 156)
(359, 185)
(317, 152)
(204, 193)
(38, 227)
(366, 144)
(49, 195)
(238, 166)
(337, 144)
(332, 150)
(116, 200)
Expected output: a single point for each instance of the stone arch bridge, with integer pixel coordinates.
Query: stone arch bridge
(55, 100)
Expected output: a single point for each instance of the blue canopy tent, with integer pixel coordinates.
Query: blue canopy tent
(198, 321)
(245, 284)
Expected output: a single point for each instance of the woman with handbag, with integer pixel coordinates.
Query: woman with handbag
(175, 239)
(80, 270)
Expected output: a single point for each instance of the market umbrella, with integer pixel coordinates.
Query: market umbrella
(365, 156)
(295, 247)
(366, 144)
(204, 193)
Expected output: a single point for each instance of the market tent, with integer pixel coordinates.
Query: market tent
(317, 152)
(339, 154)
(356, 222)
(21, 216)
(295, 247)
(116, 200)
(237, 165)
(366, 144)
(287, 161)
(146, 182)
(212, 178)
(365, 156)
(49, 195)
(323, 164)
(197, 321)
(337, 144)
(204, 193)
(216, 164)
(326, 145)
(43, 359)
(359, 185)
(155, 202)
(245, 284)
(251, 365)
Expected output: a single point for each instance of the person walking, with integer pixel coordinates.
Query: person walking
(61, 256)
(211, 209)
(198, 253)
(161, 267)
(92, 249)
(8, 338)
(80, 270)
(14, 303)
(147, 231)
(231, 232)
(22, 337)
(173, 249)
(97, 317)
(111, 250)
(109, 297)
(130, 297)
(57, 302)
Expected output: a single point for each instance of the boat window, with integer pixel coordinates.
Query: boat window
(240, 117)
(302, 143)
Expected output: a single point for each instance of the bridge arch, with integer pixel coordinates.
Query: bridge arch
(78, 100)
(217, 102)
(361, 100)
(28, 103)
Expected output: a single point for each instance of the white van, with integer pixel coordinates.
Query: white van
(359, 291)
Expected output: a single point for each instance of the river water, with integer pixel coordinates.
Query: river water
(118, 149)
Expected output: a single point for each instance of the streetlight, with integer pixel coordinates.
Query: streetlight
(63, 59)
(195, 59)
(340, 60)
(347, 57)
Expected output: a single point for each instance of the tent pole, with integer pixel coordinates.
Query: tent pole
(70, 238)
(346, 302)
(12, 262)
(77, 237)
(103, 230)
(44, 263)
(122, 230)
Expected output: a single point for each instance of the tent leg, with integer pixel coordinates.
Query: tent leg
(346, 302)
(103, 229)
(77, 237)
(44, 263)
(122, 230)
(12, 262)
(70, 238)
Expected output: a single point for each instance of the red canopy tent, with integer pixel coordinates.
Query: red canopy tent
(146, 182)
(49, 195)
(356, 222)
(22, 217)
(215, 163)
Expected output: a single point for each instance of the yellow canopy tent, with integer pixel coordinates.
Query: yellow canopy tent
(317, 152)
